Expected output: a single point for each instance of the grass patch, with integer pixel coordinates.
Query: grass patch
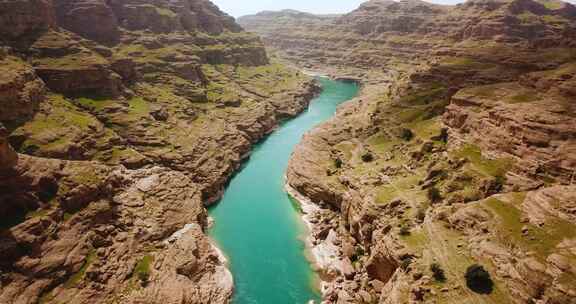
(426, 129)
(381, 142)
(55, 127)
(541, 240)
(386, 194)
(417, 240)
(94, 103)
(74, 61)
(425, 96)
(552, 4)
(490, 167)
(487, 91)
(143, 268)
(528, 18)
(138, 106)
(523, 98)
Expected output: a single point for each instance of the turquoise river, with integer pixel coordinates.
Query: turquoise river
(256, 224)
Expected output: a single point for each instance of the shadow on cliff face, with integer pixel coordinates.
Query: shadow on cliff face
(22, 197)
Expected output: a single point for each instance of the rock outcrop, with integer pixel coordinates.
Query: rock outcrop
(81, 16)
(19, 20)
(21, 91)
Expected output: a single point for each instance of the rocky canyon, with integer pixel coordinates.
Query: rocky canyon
(451, 178)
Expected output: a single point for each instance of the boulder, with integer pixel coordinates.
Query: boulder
(21, 91)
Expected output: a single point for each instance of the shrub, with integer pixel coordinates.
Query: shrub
(404, 230)
(367, 157)
(438, 272)
(478, 279)
(434, 195)
(406, 261)
(406, 134)
(338, 163)
(357, 254)
(421, 215)
(143, 277)
(142, 269)
(442, 137)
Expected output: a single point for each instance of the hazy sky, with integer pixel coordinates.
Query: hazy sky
(239, 8)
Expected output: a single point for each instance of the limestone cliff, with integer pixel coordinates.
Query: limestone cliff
(128, 118)
(449, 180)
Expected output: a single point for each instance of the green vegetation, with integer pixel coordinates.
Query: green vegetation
(425, 96)
(438, 273)
(67, 216)
(427, 129)
(142, 269)
(94, 103)
(434, 195)
(338, 163)
(561, 55)
(78, 276)
(417, 240)
(385, 194)
(138, 106)
(479, 280)
(554, 20)
(491, 167)
(406, 262)
(404, 187)
(74, 61)
(406, 134)
(513, 232)
(405, 230)
(367, 157)
(465, 63)
(55, 128)
(524, 97)
(216, 92)
(421, 215)
(528, 18)
(381, 142)
(552, 4)
(156, 56)
(486, 91)
(165, 12)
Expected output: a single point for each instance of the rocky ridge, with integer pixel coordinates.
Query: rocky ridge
(115, 137)
(450, 178)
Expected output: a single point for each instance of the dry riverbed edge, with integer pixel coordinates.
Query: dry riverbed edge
(324, 255)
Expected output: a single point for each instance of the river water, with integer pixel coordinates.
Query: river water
(256, 223)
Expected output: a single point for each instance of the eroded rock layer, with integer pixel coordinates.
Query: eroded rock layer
(120, 121)
(451, 178)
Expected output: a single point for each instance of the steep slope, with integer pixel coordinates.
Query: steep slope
(458, 154)
(128, 118)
